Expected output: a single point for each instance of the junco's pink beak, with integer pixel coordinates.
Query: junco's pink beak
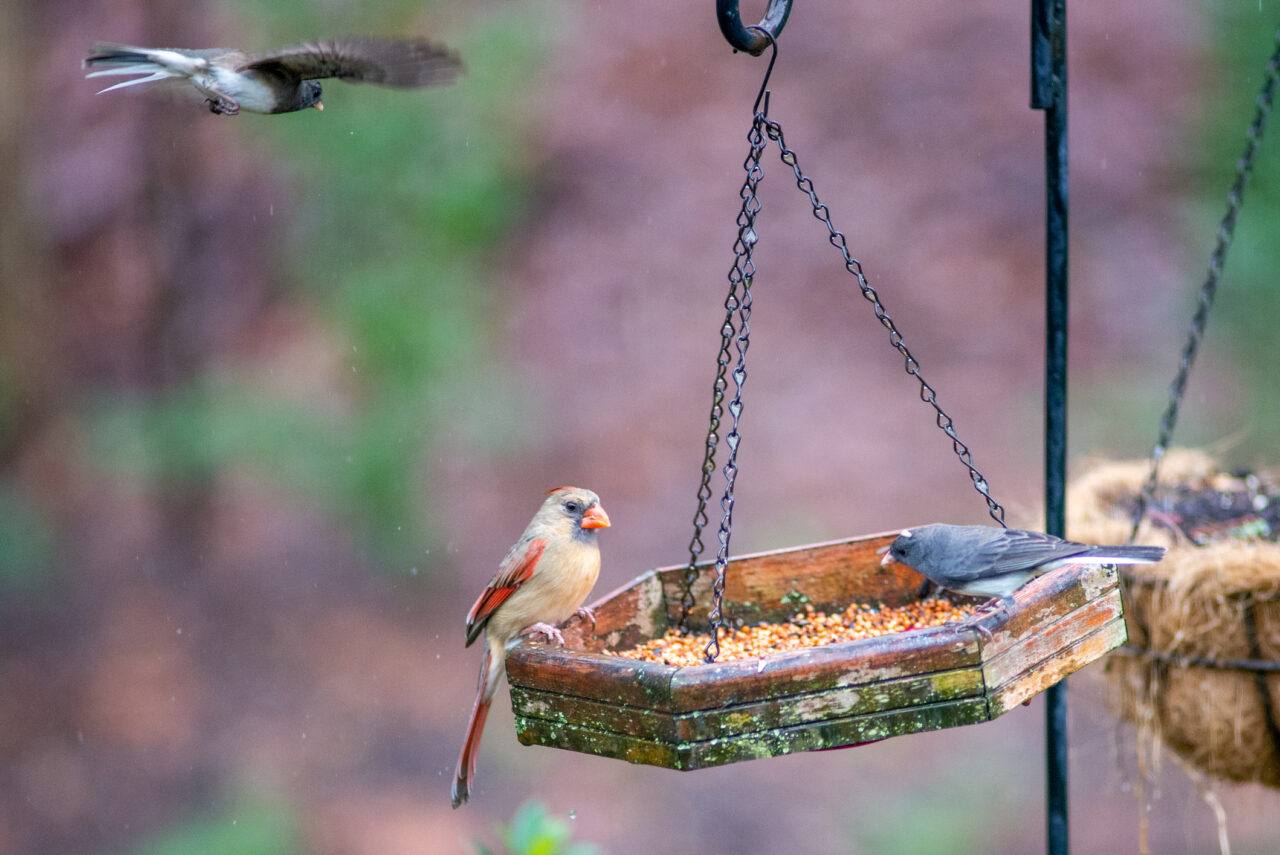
(888, 557)
(319, 105)
(595, 517)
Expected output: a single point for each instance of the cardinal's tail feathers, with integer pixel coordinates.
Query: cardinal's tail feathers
(1121, 555)
(465, 773)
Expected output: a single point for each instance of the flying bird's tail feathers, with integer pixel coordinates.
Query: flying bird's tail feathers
(150, 78)
(154, 64)
(104, 52)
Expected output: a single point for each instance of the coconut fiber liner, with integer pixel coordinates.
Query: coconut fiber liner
(1201, 671)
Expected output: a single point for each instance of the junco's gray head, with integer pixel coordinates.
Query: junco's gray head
(309, 95)
(907, 548)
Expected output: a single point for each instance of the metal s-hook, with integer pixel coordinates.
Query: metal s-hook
(763, 94)
(765, 33)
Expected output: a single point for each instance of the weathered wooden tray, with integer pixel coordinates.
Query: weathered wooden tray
(825, 697)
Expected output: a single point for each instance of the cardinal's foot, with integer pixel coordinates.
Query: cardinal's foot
(546, 630)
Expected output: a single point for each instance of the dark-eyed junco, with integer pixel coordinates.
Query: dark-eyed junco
(281, 81)
(984, 561)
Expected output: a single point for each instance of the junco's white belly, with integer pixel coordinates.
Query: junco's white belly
(251, 94)
(996, 586)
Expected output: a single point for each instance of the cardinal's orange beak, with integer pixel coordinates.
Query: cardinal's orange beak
(595, 517)
(319, 105)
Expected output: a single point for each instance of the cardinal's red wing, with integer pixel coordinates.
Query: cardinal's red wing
(516, 569)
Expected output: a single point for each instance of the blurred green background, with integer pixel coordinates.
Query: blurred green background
(276, 393)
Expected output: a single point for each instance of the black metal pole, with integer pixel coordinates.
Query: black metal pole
(1049, 93)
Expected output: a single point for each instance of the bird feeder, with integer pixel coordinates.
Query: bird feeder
(579, 698)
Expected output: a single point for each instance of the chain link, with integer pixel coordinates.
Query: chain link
(927, 393)
(1195, 333)
(742, 273)
(741, 249)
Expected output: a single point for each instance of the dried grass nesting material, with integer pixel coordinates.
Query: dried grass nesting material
(807, 628)
(1194, 604)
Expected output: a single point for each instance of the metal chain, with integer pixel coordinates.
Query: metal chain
(927, 393)
(742, 272)
(746, 224)
(739, 303)
(1226, 231)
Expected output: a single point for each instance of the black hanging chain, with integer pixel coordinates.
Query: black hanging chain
(739, 284)
(744, 270)
(927, 393)
(1195, 333)
(740, 277)
(738, 305)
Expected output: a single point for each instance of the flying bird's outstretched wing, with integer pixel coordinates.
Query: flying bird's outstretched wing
(389, 62)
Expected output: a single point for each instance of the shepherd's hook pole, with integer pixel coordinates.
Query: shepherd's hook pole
(1049, 93)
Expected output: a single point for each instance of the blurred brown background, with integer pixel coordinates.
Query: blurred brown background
(277, 393)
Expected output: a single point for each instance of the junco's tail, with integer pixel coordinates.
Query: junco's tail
(153, 65)
(1119, 555)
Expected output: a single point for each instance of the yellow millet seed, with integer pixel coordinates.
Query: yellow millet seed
(808, 628)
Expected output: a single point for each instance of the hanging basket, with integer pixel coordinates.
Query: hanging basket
(576, 697)
(1201, 671)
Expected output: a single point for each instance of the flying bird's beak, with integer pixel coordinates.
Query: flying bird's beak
(595, 517)
(319, 105)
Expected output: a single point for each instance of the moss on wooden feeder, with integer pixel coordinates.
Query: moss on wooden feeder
(833, 696)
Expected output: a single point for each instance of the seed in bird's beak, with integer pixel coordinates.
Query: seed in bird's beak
(595, 517)
(319, 105)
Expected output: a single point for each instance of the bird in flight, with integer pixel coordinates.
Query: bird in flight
(281, 81)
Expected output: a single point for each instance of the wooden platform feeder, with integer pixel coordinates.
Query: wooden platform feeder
(838, 695)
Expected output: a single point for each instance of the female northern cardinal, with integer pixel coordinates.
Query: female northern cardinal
(544, 579)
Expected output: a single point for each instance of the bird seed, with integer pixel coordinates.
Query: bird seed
(807, 628)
